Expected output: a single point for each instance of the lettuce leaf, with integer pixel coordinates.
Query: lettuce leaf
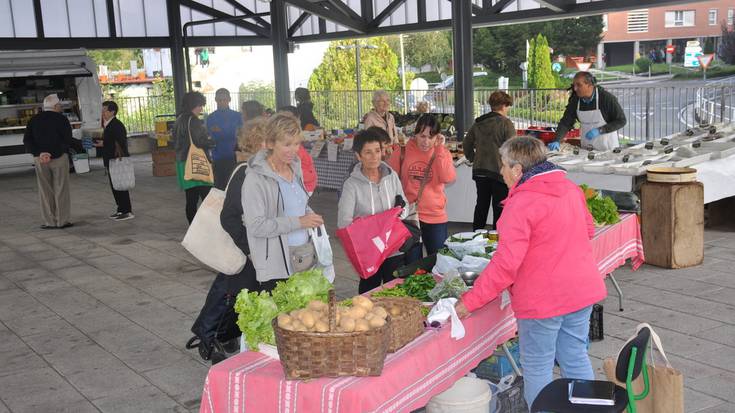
(255, 312)
(299, 289)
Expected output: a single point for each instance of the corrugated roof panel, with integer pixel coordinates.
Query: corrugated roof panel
(100, 16)
(81, 18)
(25, 22)
(6, 20)
(55, 19)
(156, 17)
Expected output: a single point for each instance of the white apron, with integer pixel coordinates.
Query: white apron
(590, 119)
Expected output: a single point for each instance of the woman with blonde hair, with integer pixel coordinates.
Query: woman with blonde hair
(380, 116)
(275, 205)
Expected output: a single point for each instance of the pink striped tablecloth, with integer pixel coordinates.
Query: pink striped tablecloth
(253, 382)
(613, 244)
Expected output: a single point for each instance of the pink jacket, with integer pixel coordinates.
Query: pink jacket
(433, 205)
(544, 254)
(307, 169)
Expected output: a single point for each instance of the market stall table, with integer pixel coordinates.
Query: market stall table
(332, 174)
(253, 382)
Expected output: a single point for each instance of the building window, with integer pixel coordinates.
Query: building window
(712, 17)
(638, 21)
(604, 22)
(680, 18)
(730, 16)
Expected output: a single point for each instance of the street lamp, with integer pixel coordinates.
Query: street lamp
(357, 46)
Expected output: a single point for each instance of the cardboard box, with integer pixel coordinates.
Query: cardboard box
(163, 156)
(166, 169)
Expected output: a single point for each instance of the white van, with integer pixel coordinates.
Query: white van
(26, 77)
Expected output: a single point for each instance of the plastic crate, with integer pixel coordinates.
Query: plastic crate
(497, 366)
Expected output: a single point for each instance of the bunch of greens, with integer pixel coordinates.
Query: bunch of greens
(419, 285)
(299, 289)
(446, 251)
(390, 292)
(448, 287)
(255, 312)
(603, 210)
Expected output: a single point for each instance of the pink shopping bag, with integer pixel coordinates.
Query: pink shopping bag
(369, 240)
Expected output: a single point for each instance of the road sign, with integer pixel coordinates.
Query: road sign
(556, 66)
(705, 59)
(583, 67)
(670, 49)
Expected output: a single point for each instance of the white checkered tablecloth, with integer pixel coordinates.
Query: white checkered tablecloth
(331, 175)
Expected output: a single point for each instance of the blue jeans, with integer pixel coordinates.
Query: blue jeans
(563, 338)
(433, 237)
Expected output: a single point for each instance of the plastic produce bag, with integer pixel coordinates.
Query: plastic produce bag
(472, 263)
(452, 285)
(475, 245)
(445, 264)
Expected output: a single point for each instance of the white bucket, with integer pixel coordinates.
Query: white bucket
(467, 395)
(81, 162)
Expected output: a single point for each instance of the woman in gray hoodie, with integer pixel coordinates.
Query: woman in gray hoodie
(275, 205)
(371, 188)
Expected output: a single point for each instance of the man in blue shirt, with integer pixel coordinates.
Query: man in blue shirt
(223, 125)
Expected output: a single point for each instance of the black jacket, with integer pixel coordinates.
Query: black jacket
(609, 106)
(199, 136)
(306, 114)
(114, 134)
(231, 215)
(482, 142)
(50, 132)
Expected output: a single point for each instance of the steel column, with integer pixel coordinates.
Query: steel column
(177, 50)
(279, 37)
(462, 45)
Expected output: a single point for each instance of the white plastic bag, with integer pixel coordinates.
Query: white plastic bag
(444, 310)
(122, 174)
(323, 248)
(474, 246)
(445, 264)
(472, 263)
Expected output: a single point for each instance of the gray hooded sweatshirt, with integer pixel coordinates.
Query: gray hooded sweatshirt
(263, 217)
(361, 197)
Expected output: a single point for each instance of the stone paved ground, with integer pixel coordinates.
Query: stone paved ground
(95, 317)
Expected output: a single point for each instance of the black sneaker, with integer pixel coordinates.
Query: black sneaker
(124, 217)
(115, 215)
(67, 225)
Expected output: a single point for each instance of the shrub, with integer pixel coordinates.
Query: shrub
(642, 64)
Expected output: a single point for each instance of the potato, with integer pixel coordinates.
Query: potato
(369, 316)
(347, 324)
(358, 312)
(321, 327)
(284, 320)
(362, 325)
(376, 322)
(297, 325)
(395, 311)
(307, 317)
(363, 302)
(317, 305)
(380, 312)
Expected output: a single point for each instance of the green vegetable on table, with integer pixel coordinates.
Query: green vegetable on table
(447, 252)
(299, 289)
(390, 292)
(603, 210)
(418, 286)
(448, 287)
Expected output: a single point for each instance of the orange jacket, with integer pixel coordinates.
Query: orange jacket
(432, 208)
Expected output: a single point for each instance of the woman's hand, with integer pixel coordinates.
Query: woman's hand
(311, 220)
(440, 140)
(461, 309)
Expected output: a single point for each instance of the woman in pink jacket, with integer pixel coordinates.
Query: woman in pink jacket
(545, 259)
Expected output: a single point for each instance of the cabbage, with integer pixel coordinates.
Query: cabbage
(301, 288)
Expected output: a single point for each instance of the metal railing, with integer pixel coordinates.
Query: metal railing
(652, 112)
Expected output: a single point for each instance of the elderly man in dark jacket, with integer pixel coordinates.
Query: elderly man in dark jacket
(481, 146)
(115, 145)
(48, 138)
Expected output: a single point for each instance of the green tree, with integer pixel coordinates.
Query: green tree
(265, 93)
(417, 52)
(116, 59)
(540, 75)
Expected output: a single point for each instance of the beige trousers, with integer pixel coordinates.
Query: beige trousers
(53, 190)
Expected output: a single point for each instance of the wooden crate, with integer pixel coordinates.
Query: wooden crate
(672, 224)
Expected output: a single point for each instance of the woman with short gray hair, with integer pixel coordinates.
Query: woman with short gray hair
(545, 259)
(379, 115)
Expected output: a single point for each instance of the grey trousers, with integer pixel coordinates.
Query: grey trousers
(53, 190)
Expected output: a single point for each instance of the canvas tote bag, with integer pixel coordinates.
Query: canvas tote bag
(207, 241)
(197, 166)
(122, 174)
(666, 383)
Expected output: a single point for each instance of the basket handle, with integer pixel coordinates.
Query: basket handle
(332, 311)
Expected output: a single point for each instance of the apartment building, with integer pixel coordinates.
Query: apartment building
(647, 32)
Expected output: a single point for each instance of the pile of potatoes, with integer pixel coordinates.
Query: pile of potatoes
(363, 315)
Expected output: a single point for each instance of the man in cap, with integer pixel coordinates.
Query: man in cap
(48, 137)
(222, 125)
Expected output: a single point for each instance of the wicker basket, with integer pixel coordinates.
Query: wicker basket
(406, 326)
(307, 355)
